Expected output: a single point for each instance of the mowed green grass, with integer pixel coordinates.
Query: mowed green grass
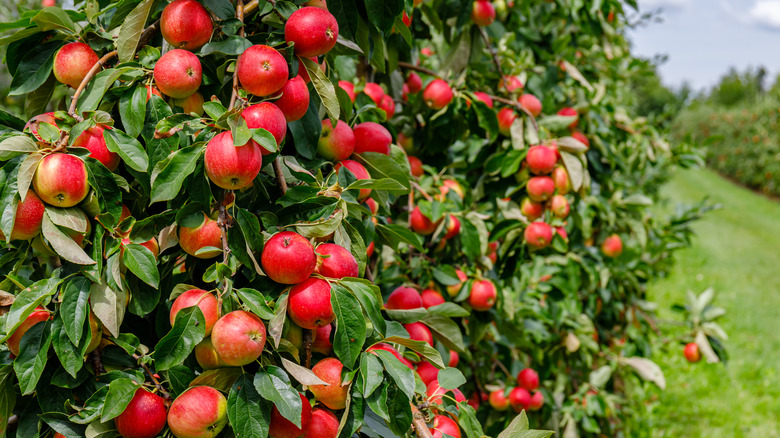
(737, 252)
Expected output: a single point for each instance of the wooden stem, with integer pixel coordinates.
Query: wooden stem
(90, 74)
(493, 53)
(152, 377)
(409, 66)
(307, 341)
(280, 175)
(239, 17)
(418, 424)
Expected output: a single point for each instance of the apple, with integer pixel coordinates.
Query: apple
(372, 137)
(531, 210)
(419, 332)
(561, 180)
(492, 251)
(559, 206)
(322, 4)
(238, 338)
(375, 92)
(61, 180)
(420, 223)
(295, 99)
(207, 356)
(349, 87)
(199, 412)
(506, 116)
(144, 416)
(691, 352)
(324, 423)
(475, 399)
(531, 104)
(498, 400)
(538, 235)
(288, 258)
(33, 123)
(454, 359)
(612, 246)
(268, 116)
(438, 94)
(415, 164)
(427, 372)
(453, 289)
(309, 305)
(40, 314)
(178, 73)
(335, 261)
(304, 74)
(72, 63)
(372, 206)
(431, 298)
(232, 167)
(332, 395)
(283, 428)
(436, 393)
(541, 160)
(186, 24)
(561, 231)
(191, 104)
(537, 401)
(28, 218)
(388, 106)
(359, 171)
(528, 379)
(404, 298)
(48, 4)
(205, 300)
(406, 19)
(441, 423)
(483, 295)
(262, 70)
(407, 143)
(414, 82)
(206, 234)
(483, 13)
(312, 30)
(370, 249)
(337, 143)
(321, 343)
(453, 227)
(540, 188)
(393, 351)
(568, 111)
(426, 51)
(577, 135)
(511, 83)
(450, 184)
(519, 399)
(92, 139)
(484, 97)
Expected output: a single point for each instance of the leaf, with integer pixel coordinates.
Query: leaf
(169, 174)
(71, 356)
(382, 13)
(467, 419)
(450, 310)
(350, 325)
(324, 88)
(518, 428)
(232, 45)
(256, 302)
(96, 89)
(420, 347)
(132, 27)
(63, 244)
(34, 69)
(26, 173)
(574, 168)
(571, 144)
(249, 414)
(600, 376)
(451, 378)
(109, 306)
(107, 191)
(12, 146)
(188, 330)
(26, 301)
(223, 8)
(273, 384)
(130, 149)
(386, 184)
(302, 374)
(33, 354)
(53, 18)
(141, 262)
(7, 396)
(72, 218)
(402, 375)
(556, 122)
(35, 102)
(346, 13)
(446, 331)
(372, 373)
(382, 166)
(370, 299)
(120, 393)
(221, 379)
(276, 325)
(393, 234)
(705, 348)
(647, 369)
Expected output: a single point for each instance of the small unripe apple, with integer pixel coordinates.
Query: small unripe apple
(483, 13)
(577, 135)
(427, 372)
(337, 143)
(541, 160)
(232, 167)
(420, 223)
(519, 399)
(186, 24)
(268, 116)
(281, 427)
(92, 139)
(404, 298)
(313, 31)
(288, 258)
(309, 305)
(262, 70)
(40, 314)
(375, 92)
(568, 111)
(453, 227)
(559, 206)
(178, 73)
(540, 188)
(335, 261)
(349, 87)
(528, 379)
(431, 298)
(72, 63)
(445, 425)
(537, 401)
(332, 395)
(454, 359)
(393, 351)
(498, 400)
(415, 164)
(561, 179)
(414, 82)
(238, 338)
(531, 104)
(295, 99)
(61, 180)
(207, 356)
(538, 235)
(438, 94)
(483, 295)
(199, 412)
(419, 332)
(144, 416)
(612, 246)
(324, 423)
(206, 234)
(455, 288)
(691, 352)
(372, 137)
(28, 218)
(205, 300)
(511, 83)
(359, 171)
(321, 343)
(506, 116)
(191, 104)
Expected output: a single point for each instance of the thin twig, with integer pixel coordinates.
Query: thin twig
(239, 17)
(97, 364)
(251, 6)
(154, 380)
(307, 341)
(90, 74)
(225, 221)
(418, 424)
(518, 106)
(494, 54)
(409, 66)
(280, 175)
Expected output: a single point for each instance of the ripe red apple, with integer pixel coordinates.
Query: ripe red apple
(426, 51)
(415, 164)
(268, 116)
(32, 124)
(454, 359)
(324, 423)
(506, 116)
(321, 343)
(612, 246)
(531, 210)
(373, 207)
(427, 372)
(531, 104)
(359, 171)
(404, 298)
(431, 298)
(691, 352)
(262, 70)
(441, 423)
(482, 96)
(375, 92)
(283, 428)
(205, 300)
(153, 90)
(577, 135)
(541, 160)
(511, 83)
(438, 94)
(453, 227)
(538, 235)
(568, 111)
(206, 234)
(238, 338)
(414, 82)
(540, 188)
(393, 351)
(72, 63)
(232, 167)
(186, 24)
(561, 179)
(420, 223)
(144, 416)
(483, 13)
(28, 219)
(349, 87)
(372, 137)
(48, 4)
(370, 249)
(40, 314)
(288, 258)
(61, 180)
(295, 99)
(388, 106)
(309, 304)
(419, 332)
(332, 395)
(528, 379)
(199, 412)
(191, 104)
(207, 356)
(406, 19)
(313, 31)
(561, 231)
(559, 206)
(537, 401)
(335, 261)
(92, 139)
(519, 399)
(178, 73)
(455, 288)
(337, 143)
(483, 295)
(498, 400)
(493, 251)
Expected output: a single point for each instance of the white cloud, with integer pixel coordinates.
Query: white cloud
(765, 13)
(666, 4)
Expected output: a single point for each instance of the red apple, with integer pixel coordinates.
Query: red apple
(178, 73)
(359, 171)
(561, 231)
(206, 234)
(484, 97)
(332, 395)
(372, 137)
(419, 332)
(33, 123)
(388, 106)
(199, 412)
(207, 356)
(186, 24)
(28, 219)
(511, 83)
(538, 235)
(92, 139)
(453, 227)
(144, 416)
(498, 400)
(454, 359)
(561, 180)
(483, 295)
(304, 74)
(438, 94)
(407, 143)
(295, 99)
(288, 258)
(268, 116)
(568, 111)
(48, 4)
(414, 82)
(309, 304)
(191, 104)
(407, 20)
(528, 379)
(238, 338)
(427, 372)
(541, 160)
(375, 92)
(612, 246)
(370, 249)
(436, 393)
(40, 314)
(691, 352)
(324, 423)
(425, 51)
(372, 206)
(420, 223)
(283, 428)
(531, 210)
(559, 206)
(442, 424)
(61, 180)
(531, 104)
(349, 87)
(404, 298)
(313, 31)
(262, 70)
(483, 13)
(537, 401)
(540, 188)
(455, 288)
(393, 351)
(337, 143)
(519, 399)
(431, 298)
(205, 300)
(506, 116)
(72, 63)
(321, 343)
(577, 135)
(335, 261)
(232, 167)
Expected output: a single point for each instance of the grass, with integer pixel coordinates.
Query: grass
(737, 252)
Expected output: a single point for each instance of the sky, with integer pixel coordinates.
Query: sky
(703, 38)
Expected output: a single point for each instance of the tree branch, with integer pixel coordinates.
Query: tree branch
(494, 54)
(518, 106)
(280, 175)
(409, 66)
(156, 382)
(90, 74)
(239, 17)
(418, 424)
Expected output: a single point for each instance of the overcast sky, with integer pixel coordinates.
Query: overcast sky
(703, 38)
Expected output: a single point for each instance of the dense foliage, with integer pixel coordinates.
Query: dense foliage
(558, 289)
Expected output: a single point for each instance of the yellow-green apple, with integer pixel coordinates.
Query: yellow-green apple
(281, 427)
(312, 30)
(332, 395)
(612, 246)
(204, 235)
(199, 412)
(238, 338)
(72, 63)
(498, 400)
(308, 304)
(437, 94)
(144, 416)
(262, 70)
(61, 180)
(178, 73)
(294, 101)
(337, 143)
(288, 258)
(207, 356)
(38, 315)
(335, 261)
(559, 206)
(268, 116)
(359, 171)
(372, 137)
(483, 295)
(186, 24)
(205, 300)
(538, 235)
(232, 167)
(452, 227)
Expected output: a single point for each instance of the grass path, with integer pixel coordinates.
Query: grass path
(737, 252)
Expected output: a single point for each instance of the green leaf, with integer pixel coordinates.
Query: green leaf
(399, 410)
(109, 306)
(180, 377)
(8, 199)
(26, 301)
(141, 262)
(92, 407)
(382, 166)
(450, 310)
(132, 27)
(107, 191)
(63, 244)
(221, 379)
(120, 393)
(446, 331)
(372, 371)
(451, 378)
(370, 299)
(467, 419)
(274, 385)
(96, 89)
(518, 428)
(71, 356)
(132, 111)
(276, 325)
(393, 234)
(350, 325)
(169, 174)
(34, 69)
(36, 101)
(249, 414)
(402, 375)
(15, 145)
(72, 218)
(7, 396)
(188, 330)
(223, 8)
(420, 347)
(324, 88)
(256, 302)
(52, 18)
(265, 139)
(33, 354)
(346, 13)
(382, 13)
(232, 45)
(250, 226)
(386, 184)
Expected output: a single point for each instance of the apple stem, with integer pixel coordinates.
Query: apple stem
(251, 6)
(409, 66)
(307, 335)
(418, 423)
(239, 17)
(156, 382)
(422, 192)
(280, 175)
(97, 365)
